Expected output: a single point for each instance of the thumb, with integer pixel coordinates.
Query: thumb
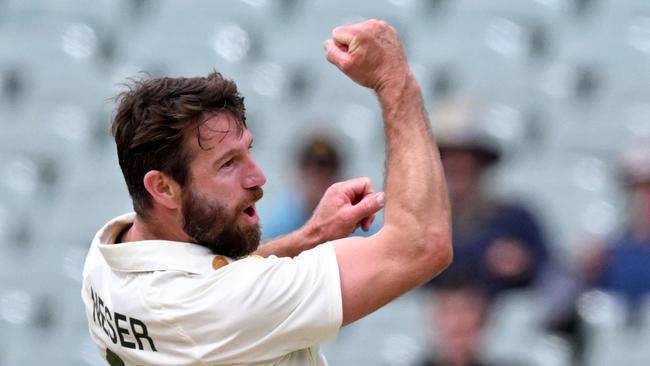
(336, 53)
(343, 35)
(368, 206)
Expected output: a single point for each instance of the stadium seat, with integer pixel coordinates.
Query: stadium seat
(567, 83)
(394, 335)
(512, 329)
(113, 11)
(610, 339)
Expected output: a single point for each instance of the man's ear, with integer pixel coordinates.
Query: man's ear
(163, 189)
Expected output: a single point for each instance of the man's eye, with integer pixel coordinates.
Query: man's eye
(228, 163)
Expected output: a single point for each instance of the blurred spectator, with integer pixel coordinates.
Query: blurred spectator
(622, 264)
(318, 164)
(496, 242)
(457, 310)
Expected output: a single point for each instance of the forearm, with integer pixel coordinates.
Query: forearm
(415, 241)
(290, 245)
(412, 156)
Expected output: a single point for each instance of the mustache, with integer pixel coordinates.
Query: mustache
(256, 194)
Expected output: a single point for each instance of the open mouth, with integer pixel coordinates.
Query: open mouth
(250, 211)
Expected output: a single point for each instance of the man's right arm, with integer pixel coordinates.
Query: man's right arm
(414, 244)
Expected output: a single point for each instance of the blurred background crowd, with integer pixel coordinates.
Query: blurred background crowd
(541, 109)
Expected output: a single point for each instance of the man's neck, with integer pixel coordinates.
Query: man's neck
(152, 229)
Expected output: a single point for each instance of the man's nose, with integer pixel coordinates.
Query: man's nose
(255, 176)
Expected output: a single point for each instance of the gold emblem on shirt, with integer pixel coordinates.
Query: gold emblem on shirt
(219, 261)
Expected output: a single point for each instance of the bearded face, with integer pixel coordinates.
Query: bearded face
(211, 224)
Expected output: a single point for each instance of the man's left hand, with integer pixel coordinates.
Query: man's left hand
(345, 206)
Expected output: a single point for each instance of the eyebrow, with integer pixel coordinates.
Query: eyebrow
(230, 152)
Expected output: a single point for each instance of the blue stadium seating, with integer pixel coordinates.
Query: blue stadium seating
(572, 79)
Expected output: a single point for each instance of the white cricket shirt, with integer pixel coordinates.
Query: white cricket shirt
(160, 302)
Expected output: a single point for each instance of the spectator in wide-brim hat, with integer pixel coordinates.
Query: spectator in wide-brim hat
(498, 243)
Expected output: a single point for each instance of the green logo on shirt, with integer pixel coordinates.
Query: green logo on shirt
(113, 359)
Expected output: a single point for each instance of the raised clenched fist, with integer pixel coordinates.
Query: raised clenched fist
(369, 53)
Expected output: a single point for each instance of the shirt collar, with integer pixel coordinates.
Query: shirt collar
(150, 255)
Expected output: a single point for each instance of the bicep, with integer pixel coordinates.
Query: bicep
(372, 276)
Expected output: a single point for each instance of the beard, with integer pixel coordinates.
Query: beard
(209, 224)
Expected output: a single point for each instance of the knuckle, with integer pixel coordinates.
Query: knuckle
(335, 187)
(328, 51)
(373, 24)
(345, 66)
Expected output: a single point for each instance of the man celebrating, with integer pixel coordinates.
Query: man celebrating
(175, 282)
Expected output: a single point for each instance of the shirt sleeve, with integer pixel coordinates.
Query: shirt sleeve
(257, 309)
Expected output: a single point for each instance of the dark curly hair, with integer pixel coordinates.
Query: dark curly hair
(156, 115)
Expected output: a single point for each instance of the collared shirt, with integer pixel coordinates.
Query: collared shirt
(159, 302)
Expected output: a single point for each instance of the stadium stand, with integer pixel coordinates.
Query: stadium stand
(567, 84)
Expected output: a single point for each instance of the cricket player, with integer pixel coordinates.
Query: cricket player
(182, 281)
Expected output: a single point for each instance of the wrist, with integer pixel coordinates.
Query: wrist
(397, 87)
(309, 236)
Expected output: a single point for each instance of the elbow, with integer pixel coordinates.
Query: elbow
(446, 257)
(430, 250)
(440, 252)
